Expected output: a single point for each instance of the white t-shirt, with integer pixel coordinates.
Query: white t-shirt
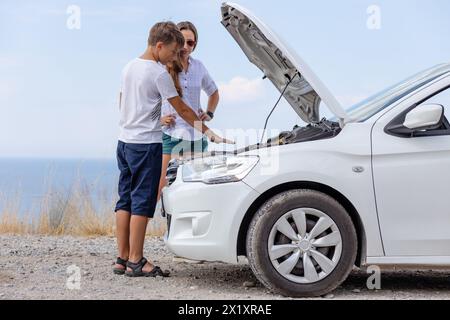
(145, 84)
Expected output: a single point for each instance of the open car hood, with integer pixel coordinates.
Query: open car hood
(280, 64)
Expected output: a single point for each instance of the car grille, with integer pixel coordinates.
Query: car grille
(169, 220)
(171, 173)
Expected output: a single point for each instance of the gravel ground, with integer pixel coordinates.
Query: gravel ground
(35, 267)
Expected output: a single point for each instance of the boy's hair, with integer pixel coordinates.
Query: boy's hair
(187, 25)
(165, 32)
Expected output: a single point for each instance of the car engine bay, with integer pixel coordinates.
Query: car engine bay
(324, 129)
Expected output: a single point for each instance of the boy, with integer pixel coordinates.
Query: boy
(145, 83)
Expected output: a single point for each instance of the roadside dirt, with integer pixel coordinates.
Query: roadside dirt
(36, 267)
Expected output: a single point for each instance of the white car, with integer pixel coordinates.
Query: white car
(370, 186)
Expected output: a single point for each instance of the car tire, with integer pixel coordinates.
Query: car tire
(264, 222)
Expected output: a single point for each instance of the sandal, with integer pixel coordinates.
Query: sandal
(123, 263)
(137, 270)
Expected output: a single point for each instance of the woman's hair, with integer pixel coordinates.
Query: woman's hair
(186, 25)
(174, 68)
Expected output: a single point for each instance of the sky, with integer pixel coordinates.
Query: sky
(59, 77)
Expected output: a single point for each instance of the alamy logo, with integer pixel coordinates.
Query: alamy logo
(374, 19)
(74, 280)
(374, 280)
(74, 18)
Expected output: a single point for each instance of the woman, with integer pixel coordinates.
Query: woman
(190, 78)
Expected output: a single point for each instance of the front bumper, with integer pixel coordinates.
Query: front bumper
(204, 220)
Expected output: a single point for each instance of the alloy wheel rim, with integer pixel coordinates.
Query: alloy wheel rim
(305, 245)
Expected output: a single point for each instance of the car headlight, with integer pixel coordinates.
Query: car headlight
(218, 169)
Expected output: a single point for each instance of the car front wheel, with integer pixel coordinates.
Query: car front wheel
(301, 243)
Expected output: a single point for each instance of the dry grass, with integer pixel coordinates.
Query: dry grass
(67, 212)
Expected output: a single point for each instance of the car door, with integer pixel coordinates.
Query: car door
(412, 181)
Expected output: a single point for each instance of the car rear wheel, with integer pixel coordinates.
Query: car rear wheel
(301, 243)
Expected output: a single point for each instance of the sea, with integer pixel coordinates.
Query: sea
(24, 183)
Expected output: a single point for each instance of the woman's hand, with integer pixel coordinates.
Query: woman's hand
(203, 116)
(168, 121)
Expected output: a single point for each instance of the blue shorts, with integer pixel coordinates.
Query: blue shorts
(140, 171)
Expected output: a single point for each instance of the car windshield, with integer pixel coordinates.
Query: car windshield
(367, 108)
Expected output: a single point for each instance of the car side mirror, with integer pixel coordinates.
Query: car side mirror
(422, 118)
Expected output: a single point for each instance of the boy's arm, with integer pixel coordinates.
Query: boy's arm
(191, 117)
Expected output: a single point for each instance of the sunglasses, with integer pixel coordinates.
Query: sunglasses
(190, 43)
